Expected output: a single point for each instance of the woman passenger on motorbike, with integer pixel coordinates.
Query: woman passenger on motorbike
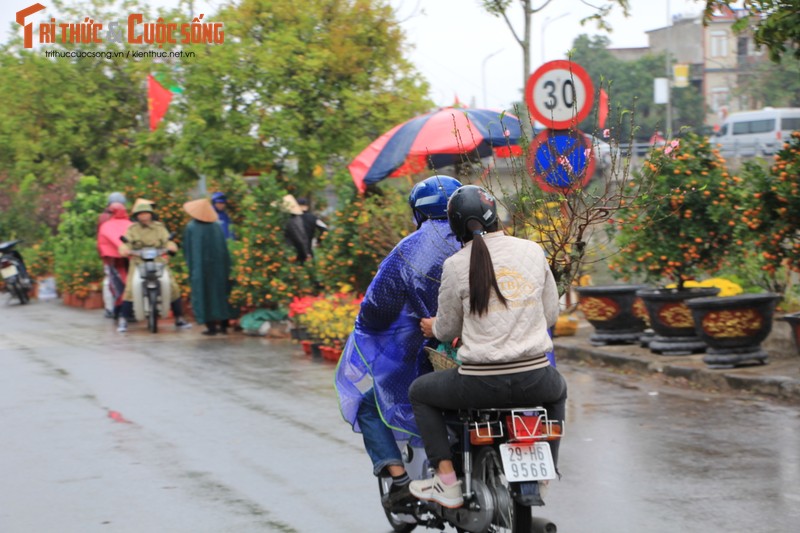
(499, 297)
(146, 232)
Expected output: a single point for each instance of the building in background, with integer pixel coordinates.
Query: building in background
(717, 57)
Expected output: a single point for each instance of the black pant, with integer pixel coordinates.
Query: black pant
(447, 390)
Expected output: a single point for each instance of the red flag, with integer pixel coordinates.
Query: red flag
(158, 99)
(602, 111)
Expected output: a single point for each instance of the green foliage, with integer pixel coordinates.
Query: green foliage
(77, 263)
(298, 82)
(685, 227)
(266, 272)
(363, 231)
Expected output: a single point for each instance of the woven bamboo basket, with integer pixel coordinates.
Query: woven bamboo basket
(439, 360)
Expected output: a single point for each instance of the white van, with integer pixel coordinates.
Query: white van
(752, 133)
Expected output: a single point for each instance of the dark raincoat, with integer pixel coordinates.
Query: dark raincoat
(386, 348)
(209, 263)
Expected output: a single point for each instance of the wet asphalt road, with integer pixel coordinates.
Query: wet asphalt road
(177, 432)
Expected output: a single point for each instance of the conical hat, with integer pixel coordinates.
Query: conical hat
(139, 203)
(142, 206)
(290, 205)
(201, 210)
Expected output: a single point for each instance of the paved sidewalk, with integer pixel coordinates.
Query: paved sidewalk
(780, 378)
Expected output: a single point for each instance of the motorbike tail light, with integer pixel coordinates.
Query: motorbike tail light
(554, 430)
(479, 439)
(533, 425)
(524, 427)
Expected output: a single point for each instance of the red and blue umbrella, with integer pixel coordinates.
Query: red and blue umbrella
(437, 139)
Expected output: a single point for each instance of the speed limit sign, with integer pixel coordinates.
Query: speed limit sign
(559, 94)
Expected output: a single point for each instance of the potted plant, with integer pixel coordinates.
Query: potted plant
(615, 311)
(40, 263)
(682, 229)
(77, 266)
(734, 327)
(794, 322)
(769, 234)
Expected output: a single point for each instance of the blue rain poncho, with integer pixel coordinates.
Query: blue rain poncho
(386, 347)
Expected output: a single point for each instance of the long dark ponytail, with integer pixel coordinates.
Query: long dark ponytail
(482, 278)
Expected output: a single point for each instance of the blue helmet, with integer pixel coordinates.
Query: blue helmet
(117, 198)
(428, 198)
(218, 197)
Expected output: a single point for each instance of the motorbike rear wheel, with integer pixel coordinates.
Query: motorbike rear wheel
(152, 318)
(19, 292)
(384, 482)
(509, 516)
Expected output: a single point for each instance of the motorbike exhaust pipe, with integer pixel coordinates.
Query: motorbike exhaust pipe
(543, 525)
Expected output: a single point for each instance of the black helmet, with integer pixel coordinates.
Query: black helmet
(471, 202)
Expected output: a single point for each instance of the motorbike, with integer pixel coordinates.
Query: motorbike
(151, 286)
(12, 269)
(504, 460)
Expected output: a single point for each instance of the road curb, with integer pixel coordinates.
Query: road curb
(779, 379)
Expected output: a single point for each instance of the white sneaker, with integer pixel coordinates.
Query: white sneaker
(433, 490)
(122, 325)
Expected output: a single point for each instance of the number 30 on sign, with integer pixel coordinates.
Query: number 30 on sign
(559, 94)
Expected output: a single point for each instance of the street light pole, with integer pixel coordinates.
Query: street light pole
(547, 21)
(669, 76)
(483, 73)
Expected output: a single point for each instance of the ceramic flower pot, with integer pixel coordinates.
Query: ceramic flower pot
(794, 323)
(734, 327)
(306, 344)
(616, 312)
(671, 319)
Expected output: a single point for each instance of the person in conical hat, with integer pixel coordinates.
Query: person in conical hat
(206, 252)
(294, 230)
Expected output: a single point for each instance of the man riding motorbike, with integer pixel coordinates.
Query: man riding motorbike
(386, 349)
(146, 232)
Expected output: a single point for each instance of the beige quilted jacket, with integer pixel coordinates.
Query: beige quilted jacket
(505, 339)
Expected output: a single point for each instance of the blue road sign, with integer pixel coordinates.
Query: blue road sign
(561, 160)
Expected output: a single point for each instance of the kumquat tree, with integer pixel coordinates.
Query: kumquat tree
(689, 229)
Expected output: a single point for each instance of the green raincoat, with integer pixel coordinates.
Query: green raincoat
(209, 262)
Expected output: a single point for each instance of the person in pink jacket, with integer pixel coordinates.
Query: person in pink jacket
(108, 242)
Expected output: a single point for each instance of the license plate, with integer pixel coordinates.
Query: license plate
(9, 271)
(527, 461)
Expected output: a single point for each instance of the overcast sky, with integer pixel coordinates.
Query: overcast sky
(450, 41)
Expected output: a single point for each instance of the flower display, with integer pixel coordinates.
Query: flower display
(332, 317)
(726, 287)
